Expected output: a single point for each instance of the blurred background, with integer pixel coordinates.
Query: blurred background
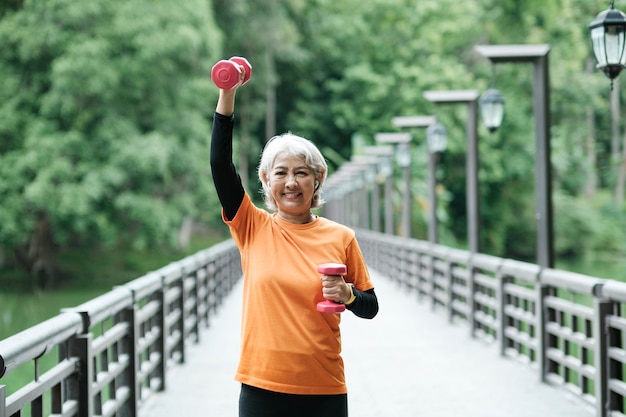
(106, 109)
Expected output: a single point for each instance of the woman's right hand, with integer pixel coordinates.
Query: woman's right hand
(242, 76)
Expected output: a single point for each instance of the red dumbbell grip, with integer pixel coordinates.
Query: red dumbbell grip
(328, 306)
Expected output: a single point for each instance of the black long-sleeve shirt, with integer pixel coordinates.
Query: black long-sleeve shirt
(230, 192)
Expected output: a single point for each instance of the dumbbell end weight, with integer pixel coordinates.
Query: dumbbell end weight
(247, 67)
(332, 307)
(225, 74)
(332, 269)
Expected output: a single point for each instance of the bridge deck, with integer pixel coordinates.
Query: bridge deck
(408, 361)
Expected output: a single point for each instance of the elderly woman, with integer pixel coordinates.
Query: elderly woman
(290, 362)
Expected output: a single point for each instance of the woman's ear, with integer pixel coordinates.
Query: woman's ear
(265, 179)
(318, 180)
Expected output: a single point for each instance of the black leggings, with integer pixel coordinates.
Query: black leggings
(257, 402)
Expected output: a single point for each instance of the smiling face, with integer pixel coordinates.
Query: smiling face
(292, 171)
(292, 185)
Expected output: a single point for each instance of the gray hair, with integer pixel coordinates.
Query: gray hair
(298, 147)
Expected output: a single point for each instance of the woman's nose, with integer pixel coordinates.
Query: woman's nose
(291, 180)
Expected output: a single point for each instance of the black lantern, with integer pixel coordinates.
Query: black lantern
(491, 109)
(607, 38)
(437, 138)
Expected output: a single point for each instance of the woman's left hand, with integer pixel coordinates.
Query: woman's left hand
(334, 288)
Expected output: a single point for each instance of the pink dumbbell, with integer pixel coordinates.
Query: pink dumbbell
(225, 74)
(328, 306)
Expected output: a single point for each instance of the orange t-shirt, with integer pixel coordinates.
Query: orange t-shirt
(286, 344)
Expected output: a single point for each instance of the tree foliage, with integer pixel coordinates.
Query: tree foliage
(105, 120)
(105, 111)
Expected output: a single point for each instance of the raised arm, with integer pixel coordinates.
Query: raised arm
(227, 182)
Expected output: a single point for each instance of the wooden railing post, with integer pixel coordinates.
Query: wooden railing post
(161, 370)
(3, 401)
(449, 290)
(191, 274)
(471, 290)
(211, 288)
(544, 341)
(81, 387)
(503, 281)
(202, 280)
(602, 309)
(431, 277)
(130, 347)
(182, 317)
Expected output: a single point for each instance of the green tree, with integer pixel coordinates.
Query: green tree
(104, 124)
(106, 107)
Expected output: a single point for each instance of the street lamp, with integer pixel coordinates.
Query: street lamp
(334, 194)
(538, 56)
(469, 97)
(491, 105)
(608, 39)
(403, 159)
(437, 138)
(414, 122)
(349, 189)
(383, 176)
(368, 166)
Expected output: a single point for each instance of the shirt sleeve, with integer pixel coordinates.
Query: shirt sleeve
(365, 305)
(227, 181)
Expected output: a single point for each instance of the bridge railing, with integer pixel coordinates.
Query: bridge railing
(569, 327)
(114, 351)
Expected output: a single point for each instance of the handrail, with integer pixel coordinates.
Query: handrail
(113, 351)
(567, 326)
(36, 341)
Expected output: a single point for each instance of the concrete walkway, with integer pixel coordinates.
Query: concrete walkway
(408, 361)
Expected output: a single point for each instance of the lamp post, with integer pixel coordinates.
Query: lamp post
(383, 176)
(436, 136)
(359, 203)
(469, 97)
(335, 195)
(368, 166)
(351, 187)
(414, 122)
(403, 159)
(361, 179)
(538, 56)
(608, 39)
